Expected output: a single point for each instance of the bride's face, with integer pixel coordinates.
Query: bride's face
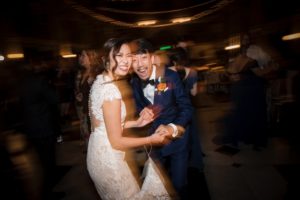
(122, 61)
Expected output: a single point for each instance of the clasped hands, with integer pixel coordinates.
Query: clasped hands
(163, 134)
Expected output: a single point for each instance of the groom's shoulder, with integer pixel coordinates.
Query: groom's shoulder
(171, 74)
(134, 79)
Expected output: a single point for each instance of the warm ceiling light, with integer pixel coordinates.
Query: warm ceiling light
(209, 64)
(217, 68)
(146, 22)
(236, 46)
(291, 36)
(211, 7)
(203, 68)
(15, 55)
(181, 19)
(69, 56)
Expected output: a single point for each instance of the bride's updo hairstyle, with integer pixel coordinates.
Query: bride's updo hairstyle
(112, 45)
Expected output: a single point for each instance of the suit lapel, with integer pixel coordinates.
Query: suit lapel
(160, 72)
(141, 92)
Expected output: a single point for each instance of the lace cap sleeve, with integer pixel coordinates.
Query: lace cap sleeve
(101, 92)
(110, 92)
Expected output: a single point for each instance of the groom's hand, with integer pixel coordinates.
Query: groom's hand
(168, 131)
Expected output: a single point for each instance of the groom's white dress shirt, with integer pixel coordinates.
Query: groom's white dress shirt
(149, 90)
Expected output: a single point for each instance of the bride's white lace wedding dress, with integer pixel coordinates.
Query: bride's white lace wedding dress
(109, 171)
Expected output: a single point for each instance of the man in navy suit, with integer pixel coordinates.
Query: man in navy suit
(160, 91)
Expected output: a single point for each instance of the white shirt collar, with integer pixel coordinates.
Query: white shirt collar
(149, 90)
(153, 74)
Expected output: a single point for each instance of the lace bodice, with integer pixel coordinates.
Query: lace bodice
(107, 167)
(102, 90)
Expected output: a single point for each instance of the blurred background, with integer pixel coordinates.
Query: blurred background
(47, 36)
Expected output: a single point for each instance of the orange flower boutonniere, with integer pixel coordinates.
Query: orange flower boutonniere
(161, 86)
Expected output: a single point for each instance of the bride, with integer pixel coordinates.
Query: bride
(106, 165)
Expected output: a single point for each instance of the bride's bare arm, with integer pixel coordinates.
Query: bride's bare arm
(146, 117)
(112, 119)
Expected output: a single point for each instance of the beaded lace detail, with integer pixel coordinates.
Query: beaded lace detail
(103, 89)
(109, 171)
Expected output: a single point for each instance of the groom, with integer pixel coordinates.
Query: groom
(161, 91)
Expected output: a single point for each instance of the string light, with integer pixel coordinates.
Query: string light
(291, 36)
(215, 5)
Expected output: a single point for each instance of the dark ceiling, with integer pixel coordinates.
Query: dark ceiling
(46, 24)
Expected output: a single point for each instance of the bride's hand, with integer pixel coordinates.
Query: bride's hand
(147, 114)
(159, 139)
(141, 121)
(146, 117)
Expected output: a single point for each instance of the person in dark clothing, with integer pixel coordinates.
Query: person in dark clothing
(89, 61)
(161, 90)
(40, 110)
(180, 63)
(247, 121)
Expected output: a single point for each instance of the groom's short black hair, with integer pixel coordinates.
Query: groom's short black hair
(143, 46)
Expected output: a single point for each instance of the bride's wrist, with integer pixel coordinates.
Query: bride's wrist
(148, 145)
(136, 124)
(149, 138)
(130, 124)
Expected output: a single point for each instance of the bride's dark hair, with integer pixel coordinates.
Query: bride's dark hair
(114, 45)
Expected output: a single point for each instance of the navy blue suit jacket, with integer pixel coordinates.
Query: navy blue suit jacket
(174, 107)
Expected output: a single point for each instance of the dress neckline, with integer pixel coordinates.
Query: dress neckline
(105, 79)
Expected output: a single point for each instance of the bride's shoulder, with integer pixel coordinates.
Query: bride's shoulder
(104, 86)
(100, 79)
(102, 82)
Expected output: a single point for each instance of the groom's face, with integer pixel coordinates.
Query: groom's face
(142, 65)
